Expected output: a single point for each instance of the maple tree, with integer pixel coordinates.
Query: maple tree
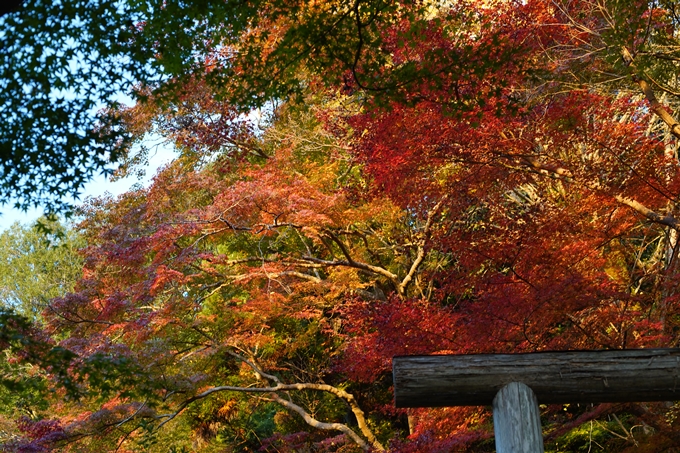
(253, 296)
(66, 65)
(266, 242)
(543, 207)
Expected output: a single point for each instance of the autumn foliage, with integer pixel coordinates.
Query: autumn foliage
(501, 195)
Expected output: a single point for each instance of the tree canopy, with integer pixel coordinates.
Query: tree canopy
(421, 178)
(10, 6)
(66, 64)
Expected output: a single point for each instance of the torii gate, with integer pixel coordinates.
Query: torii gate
(514, 384)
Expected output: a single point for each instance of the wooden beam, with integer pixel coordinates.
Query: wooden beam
(555, 377)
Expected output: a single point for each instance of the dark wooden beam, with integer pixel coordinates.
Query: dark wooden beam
(555, 377)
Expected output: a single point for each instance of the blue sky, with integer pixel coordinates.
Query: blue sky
(97, 187)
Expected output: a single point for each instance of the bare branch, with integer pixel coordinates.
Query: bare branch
(654, 216)
(646, 88)
(347, 397)
(420, 255)
(340, 244)
(357, 265)
(566, 175)
(311, 421)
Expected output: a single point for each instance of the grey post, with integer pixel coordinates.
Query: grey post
(517, 420)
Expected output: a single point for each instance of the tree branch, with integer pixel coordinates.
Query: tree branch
(347, 397)
(311, 421)
(654, 216)
(566, 175)
(420, 255)
(357, 265)
(646, 88)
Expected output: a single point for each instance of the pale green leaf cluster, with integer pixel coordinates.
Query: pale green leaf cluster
(36, 266)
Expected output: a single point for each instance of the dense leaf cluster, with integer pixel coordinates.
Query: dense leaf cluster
(422, 178)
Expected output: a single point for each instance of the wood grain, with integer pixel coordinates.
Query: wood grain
(517, 420)
(555, 377)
